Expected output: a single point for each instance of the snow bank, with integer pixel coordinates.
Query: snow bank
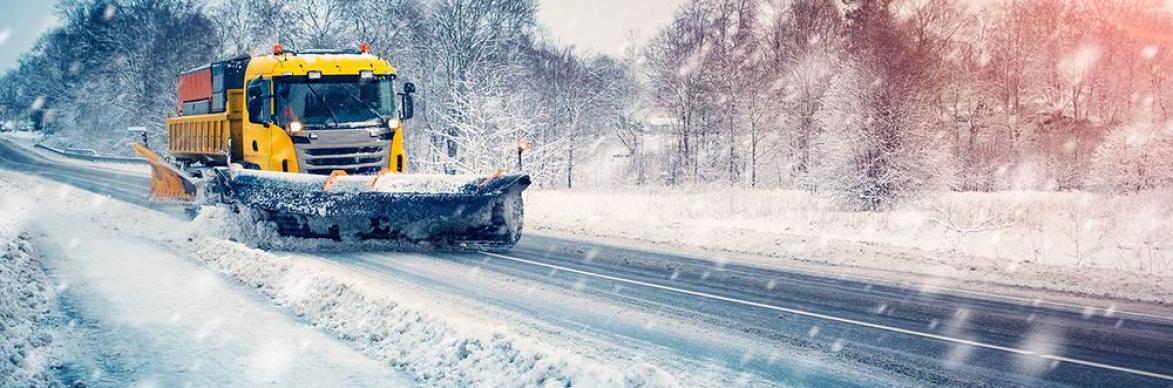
(27, 305)
(1119, 246)
(403, 332)
(24, 135)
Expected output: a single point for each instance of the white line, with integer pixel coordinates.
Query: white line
(1030, 302)
(1026, 302)
(859, 278)
(841, 320)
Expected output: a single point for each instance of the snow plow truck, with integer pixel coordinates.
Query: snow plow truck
(311, 143)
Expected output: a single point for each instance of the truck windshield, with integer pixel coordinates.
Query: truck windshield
(334, 101)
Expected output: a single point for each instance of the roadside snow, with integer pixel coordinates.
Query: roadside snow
(27, 305)
(24, 135)
(1071, 242)
(401, 330)
(141, 312)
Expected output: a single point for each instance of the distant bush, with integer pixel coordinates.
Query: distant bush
(1133, 158)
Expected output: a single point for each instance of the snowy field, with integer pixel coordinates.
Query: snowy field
(1075, 242)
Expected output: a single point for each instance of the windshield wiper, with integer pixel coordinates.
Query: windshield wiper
(325, 104)
(367, 105)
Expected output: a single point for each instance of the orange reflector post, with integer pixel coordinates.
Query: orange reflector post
(492, 177)
(333, 177)
(375, 181)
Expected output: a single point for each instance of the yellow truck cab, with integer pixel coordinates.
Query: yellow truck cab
(314, 111)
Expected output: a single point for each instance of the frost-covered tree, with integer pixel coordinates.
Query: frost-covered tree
(1133, 158)
(878, 142)
(468, 51)
(680, 85)
(867, 156)
(111, 64)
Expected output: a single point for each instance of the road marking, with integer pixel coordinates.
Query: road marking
(863, 279)
(911, 286)
(839, 319)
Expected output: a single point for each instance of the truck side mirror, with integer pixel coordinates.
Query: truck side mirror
(407, 102)
(408, 110)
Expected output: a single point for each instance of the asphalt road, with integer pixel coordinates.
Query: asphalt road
(773, 325)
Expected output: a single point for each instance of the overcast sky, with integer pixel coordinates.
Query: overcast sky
(590, 25)
(21, 22)
(604, 26)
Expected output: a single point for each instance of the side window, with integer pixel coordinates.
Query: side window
(218, 88)
(258, 101)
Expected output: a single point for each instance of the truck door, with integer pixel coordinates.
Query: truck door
(259, 112)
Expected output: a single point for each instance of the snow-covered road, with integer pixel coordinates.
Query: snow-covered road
(574, 311)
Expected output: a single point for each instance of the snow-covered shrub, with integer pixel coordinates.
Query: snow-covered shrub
(1133, 158)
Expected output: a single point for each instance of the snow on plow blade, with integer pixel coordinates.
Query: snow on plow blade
(463, 212)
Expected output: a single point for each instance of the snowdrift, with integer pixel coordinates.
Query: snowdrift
(27, 307)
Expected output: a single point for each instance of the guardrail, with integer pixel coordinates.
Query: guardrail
(90, 155)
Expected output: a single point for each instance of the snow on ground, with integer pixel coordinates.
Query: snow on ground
(27, 306)
(407, 331)
(1073, 242)
(401, 330)
(24, 135)
(141, 313)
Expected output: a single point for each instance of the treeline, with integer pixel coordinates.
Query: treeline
(877, 100)
(872, 101)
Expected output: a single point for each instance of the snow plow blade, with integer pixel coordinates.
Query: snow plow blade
(442, 211)
(168, 184)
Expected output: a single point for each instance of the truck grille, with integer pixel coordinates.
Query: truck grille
(349, 171)
(342, 161)
(355, 160)
(342, 151)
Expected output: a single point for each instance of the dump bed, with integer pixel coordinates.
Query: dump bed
(208, 121)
